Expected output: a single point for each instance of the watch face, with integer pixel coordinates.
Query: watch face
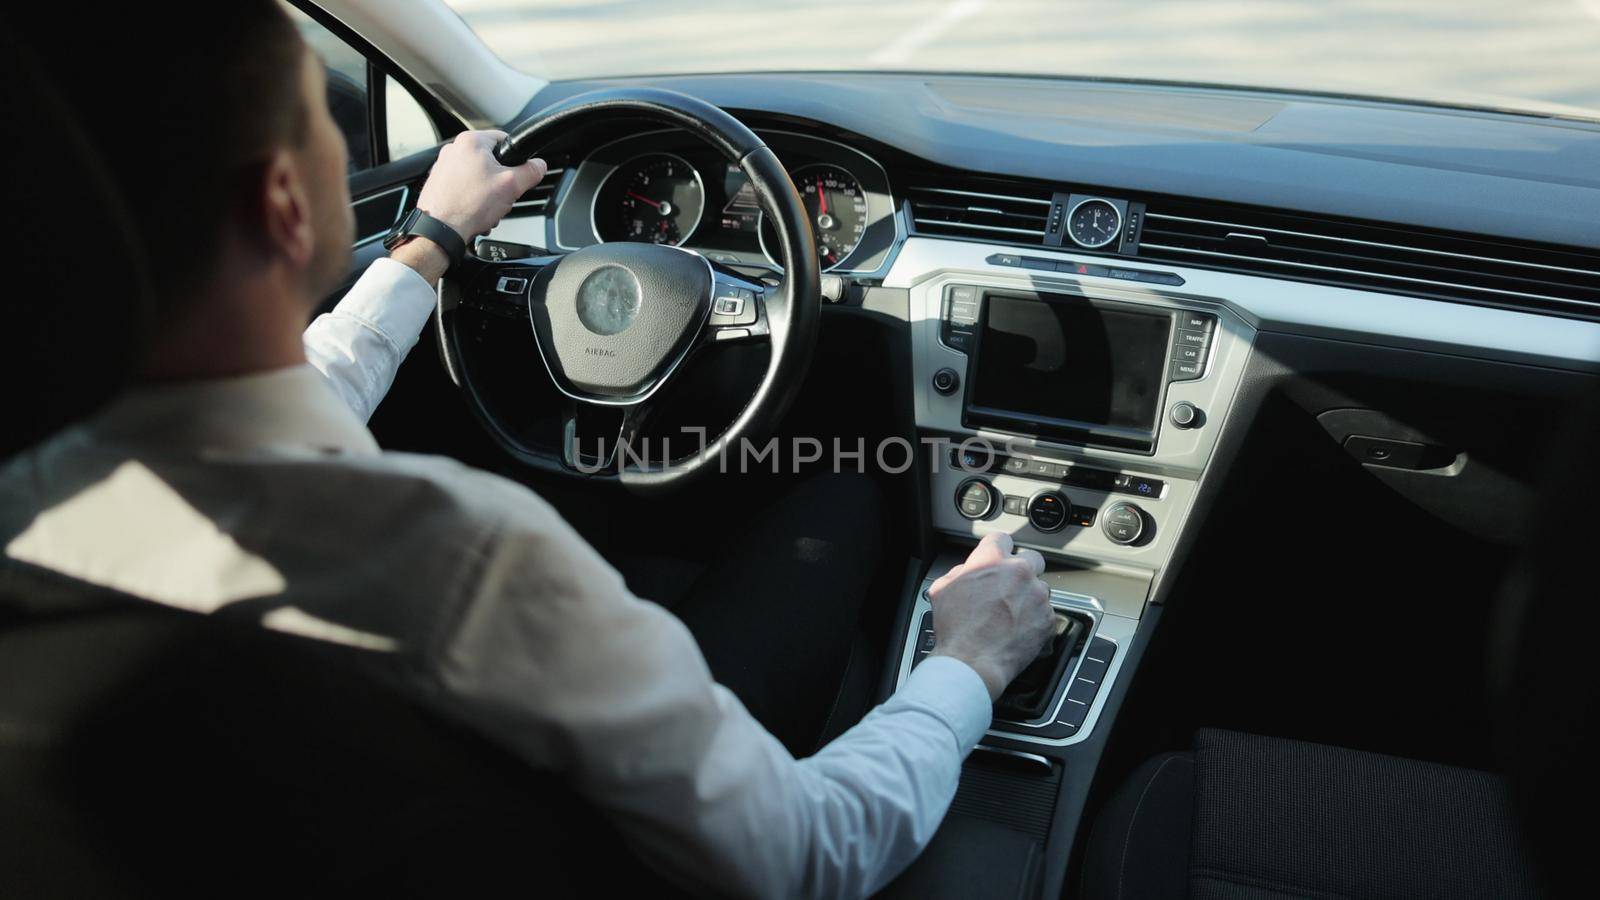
(401, 229)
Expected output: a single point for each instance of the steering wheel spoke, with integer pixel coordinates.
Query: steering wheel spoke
(738, 310)
(611, 322)
(500, 288)
(592, 435)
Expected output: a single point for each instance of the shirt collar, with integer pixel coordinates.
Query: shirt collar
(290, 407)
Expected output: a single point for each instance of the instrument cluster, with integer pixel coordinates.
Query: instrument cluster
(666, 187)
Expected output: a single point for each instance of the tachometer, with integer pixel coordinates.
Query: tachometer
(837, 208)
(657, 197)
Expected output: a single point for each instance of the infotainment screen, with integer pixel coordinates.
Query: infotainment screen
(1067, 366)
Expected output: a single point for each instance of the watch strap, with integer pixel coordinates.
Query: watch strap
(420, 224)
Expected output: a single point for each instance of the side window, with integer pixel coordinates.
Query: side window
(407, 127)
(363, 100)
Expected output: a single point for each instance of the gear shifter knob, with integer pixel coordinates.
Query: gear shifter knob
(1027, 696)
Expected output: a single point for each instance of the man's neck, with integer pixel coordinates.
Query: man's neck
(256, 329)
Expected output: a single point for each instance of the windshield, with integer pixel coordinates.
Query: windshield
(1536, 55)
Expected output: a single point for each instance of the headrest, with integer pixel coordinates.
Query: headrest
(77, 292)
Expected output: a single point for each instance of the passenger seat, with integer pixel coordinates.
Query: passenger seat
(1245, 816)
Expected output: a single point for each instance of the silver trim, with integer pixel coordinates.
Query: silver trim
(699, 182)
(761, 218)
(544, 203)
(974, 227)
(1405, 278)
(960, 193)
(665, 376)
(403, 191)
(1115, 232)
(1016, 754)
(1343, 240)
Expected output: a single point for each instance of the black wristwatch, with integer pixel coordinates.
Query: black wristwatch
(421, 224)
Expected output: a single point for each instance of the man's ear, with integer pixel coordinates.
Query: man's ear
(287, 224)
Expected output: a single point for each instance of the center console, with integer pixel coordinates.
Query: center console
(1075, 407)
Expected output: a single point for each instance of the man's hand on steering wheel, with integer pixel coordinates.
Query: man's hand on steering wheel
(469, 190)
(612, 321)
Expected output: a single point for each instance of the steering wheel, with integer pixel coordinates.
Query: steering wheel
(613, 323)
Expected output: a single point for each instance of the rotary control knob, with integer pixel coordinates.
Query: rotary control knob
(1185, 414)
(976, 499)
(1123, 523)
(1047, 511)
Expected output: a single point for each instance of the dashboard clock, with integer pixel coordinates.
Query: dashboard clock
(1094, 223)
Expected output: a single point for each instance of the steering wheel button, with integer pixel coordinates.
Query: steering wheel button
(511, 285)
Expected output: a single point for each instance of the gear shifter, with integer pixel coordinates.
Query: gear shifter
(1030, 692)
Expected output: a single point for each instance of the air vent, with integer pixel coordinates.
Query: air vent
(1355, 254)
(978, 209)
(536, 202)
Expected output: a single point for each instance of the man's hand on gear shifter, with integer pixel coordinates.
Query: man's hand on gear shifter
(471, 192)
(993, 612)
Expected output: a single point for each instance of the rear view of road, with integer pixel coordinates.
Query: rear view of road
(1536, 54)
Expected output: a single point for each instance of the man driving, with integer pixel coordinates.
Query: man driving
(240, 467)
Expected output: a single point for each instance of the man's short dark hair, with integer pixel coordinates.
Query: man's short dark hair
(184, 101)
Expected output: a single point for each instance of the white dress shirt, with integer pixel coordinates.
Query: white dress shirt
(485, 602)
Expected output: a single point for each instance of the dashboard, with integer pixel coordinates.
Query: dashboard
(1103, 295)
(667, 187)
(1085, 271)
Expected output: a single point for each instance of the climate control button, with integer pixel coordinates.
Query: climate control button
(1123, 523)
(1048, 510)
(976, 498)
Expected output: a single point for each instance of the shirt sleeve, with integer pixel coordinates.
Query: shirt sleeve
(552, 656)
(359, 346)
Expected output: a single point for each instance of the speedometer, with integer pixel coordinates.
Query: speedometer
(657, 197)
(837, 208)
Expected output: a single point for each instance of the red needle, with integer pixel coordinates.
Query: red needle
(654, 203)
(822, 198)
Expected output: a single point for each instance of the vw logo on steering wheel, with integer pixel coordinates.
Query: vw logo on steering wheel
(608, 300)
